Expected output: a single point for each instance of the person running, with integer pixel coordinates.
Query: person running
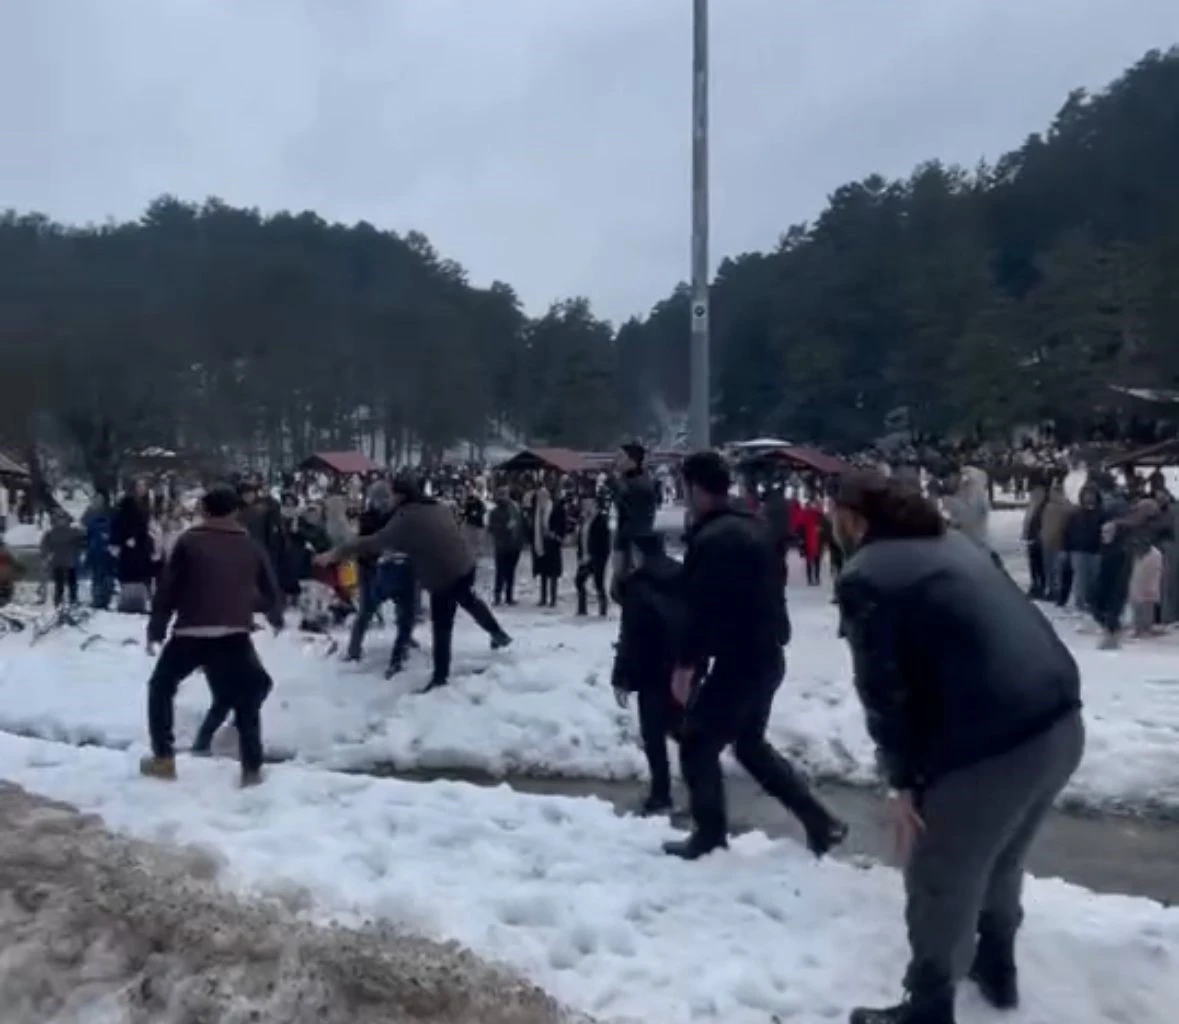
(427, 532)
(211, 585)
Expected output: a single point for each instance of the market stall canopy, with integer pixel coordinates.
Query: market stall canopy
(341, 463)
(1165, 453)
(560, 460)
(800, 457)
(10, 469)
(759, 443)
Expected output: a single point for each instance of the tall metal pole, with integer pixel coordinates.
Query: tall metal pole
(700, 404)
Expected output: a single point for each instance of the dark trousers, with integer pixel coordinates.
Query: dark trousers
(727, 711)
(595, 571)
(964, 878)
(102, 587)
(814, 570)
(506, 562)
(658, 717)
(1039, 587)
(238, 682)
(443, 606)
(65, 580)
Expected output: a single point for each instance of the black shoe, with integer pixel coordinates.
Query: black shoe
(436, 684)
(994, 972)
(500, 640)
(350, 656)
(823, 838)
(654, 806)
(697, 845)
(930, 1011)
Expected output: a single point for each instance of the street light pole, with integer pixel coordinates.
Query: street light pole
(700, 404)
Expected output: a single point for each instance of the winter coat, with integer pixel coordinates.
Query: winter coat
(506, 525)
(807, 527)
(653, 617)
(10, 571)
(132, 541)
(474, 511)
(1146, 577)
(217, 577)
(549, 528)
(426, 531)
(953, 664)
(593, 539)
(97, 524)
(1033, 519)
(1053, 520)
(735, 603)
(62, 545)
(634, 503)
(1082, 532)
(335, 519)
(969, 508)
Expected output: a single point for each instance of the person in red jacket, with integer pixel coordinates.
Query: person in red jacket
(807, 526)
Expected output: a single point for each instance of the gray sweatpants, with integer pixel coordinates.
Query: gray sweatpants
(967, 866)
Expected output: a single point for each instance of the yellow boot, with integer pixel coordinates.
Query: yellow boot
(158, 768)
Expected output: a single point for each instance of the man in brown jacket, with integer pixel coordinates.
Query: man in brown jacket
(428, 534)
(212, 583)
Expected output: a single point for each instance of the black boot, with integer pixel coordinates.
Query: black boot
(939, 1010)
(500, 640)
(993, 969)
(436, 683)
(697, 845)
(825, 835)
(654, 806)
(582, 606)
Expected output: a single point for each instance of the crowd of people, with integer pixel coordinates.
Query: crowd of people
(970, 696)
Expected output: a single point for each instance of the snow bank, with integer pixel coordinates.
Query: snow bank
(578, 900)
(545, 707)
(98, 928)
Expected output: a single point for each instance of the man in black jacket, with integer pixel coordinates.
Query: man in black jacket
(737, 621)
(974, 704)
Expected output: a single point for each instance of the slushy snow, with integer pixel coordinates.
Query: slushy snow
(584, 903)
(545, 705)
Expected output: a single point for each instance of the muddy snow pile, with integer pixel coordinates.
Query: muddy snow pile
(105, 930)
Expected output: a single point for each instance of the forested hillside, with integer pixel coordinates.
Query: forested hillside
(985, 296)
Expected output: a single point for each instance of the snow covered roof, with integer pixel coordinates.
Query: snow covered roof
(10, 467)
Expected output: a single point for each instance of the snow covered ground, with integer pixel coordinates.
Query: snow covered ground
(583, 903)
(545, 705)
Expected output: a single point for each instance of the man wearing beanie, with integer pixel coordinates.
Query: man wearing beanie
(211, 585)
(428, 533)
(634, 503)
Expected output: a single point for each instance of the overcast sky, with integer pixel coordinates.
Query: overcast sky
(543, 142)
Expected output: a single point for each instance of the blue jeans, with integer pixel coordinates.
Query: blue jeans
(1086, 567)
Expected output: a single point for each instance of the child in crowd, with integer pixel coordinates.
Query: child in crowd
(61, 547)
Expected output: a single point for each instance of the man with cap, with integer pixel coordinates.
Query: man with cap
(430, 536)
(634, 503)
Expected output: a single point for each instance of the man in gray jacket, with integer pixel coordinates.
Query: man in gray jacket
(430, 536)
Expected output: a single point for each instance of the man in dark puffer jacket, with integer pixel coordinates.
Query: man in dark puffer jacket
(974, 704)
